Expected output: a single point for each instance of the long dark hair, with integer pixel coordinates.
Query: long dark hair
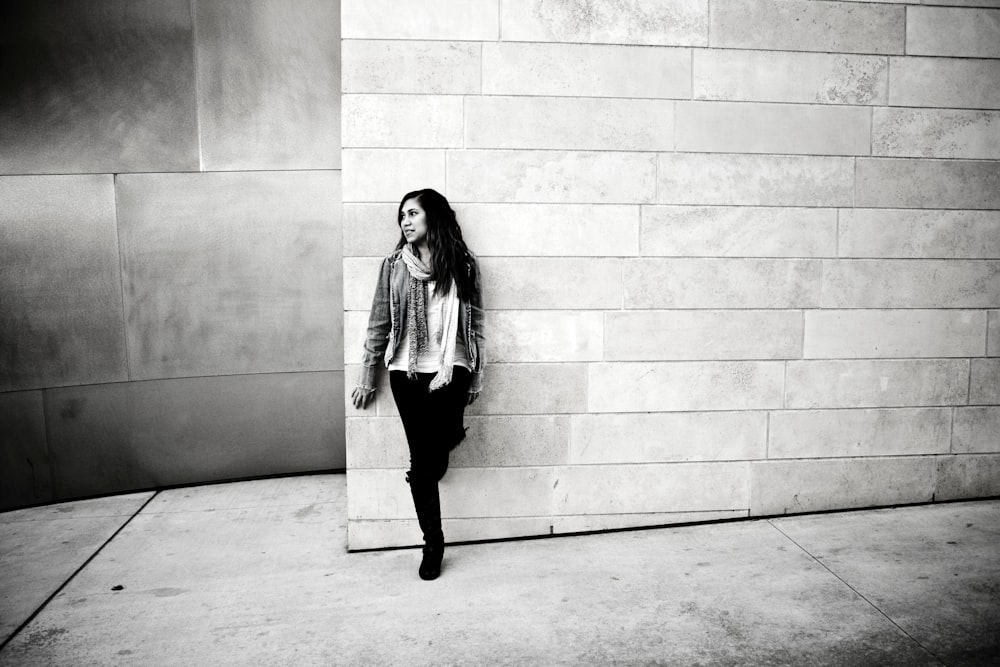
(451, 260)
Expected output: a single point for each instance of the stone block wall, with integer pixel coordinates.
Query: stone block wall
(170, 245)
(742, 257)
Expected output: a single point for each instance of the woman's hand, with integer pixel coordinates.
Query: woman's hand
(361, 397)
(473, 395)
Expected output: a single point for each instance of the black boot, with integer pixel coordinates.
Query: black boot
(430, 566)
(427, 502)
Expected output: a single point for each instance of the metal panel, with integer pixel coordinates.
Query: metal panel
(269, 84)
(235, 272)
(115, 437)
(60, 288)
(24, 459)
(97, 86)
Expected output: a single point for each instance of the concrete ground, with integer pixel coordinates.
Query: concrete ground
(257, 573)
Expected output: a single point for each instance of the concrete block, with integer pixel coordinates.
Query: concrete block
(685, 386)
(976, 430)
(851, 433)
(948, 83)
(268, 84)
(853, 334)
(801, 25)
(517, 389)
(93, 87)
(749, 127)
(876, 383)
(722, 283)
(968, 476)
(919, 234)
(491, 442)
(360, 279)
(60, 284)
(941, 31)
(371, 230)
(910, 283)
(569, 123)
(377, 494)
(941, 133)
(702, 335)
(530, 283)
(115, 437)
(551, 176)
(993, 334)
(585, 523)
(756, 180)
(435, 19)
(25, 478)
(658, 22)
(402, 121)
(667, 487)
(429, 68)
(586, 70)
(231, 272)
(544, 335)
(406, 532)
(738, 231)
(667, 437)
(385, 175)
(984, 386)
(794, 487)
(785, 76)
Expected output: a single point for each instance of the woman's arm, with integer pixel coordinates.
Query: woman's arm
(478, 324)
(376, 339)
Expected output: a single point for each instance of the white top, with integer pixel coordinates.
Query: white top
(430, 360)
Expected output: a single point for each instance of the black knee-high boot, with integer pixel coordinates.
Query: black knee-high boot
(427, 502)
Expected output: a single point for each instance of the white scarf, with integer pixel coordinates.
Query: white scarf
(417, 319)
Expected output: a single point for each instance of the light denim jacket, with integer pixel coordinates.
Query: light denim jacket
(388, 317)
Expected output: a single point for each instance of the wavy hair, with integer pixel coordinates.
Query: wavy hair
(450, 257)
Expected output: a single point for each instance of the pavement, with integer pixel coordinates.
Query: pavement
(258, 573)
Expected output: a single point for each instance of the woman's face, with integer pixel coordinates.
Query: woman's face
(413, 222)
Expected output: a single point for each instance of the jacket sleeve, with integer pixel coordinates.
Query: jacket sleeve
(379, 326)
(478, 323)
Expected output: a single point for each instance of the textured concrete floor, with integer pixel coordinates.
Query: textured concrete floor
(257, 573)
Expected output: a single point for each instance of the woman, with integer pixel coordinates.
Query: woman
(426, 323)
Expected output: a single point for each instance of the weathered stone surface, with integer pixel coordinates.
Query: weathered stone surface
(371, 230)
(800, 25)
(259, 285)
(360, 279)
(385, 175)
(793, 487)
(993, 334)
(949, 83)
(551, 176)
(909, 183)
(60, 283)
(429, 68)
(738, 231)
(941, 133)
(268, 84)
(668, 437)
(586, 70)
(759, 180)
(493, 441)
(94, 87)
(853, 334)
(785, 76)
(530, 283)
(402, 121)
(545, 335)
(750, 127)
(850, 433)
(984, 387)
(569, 123)
(910, 283)
(976, 430)
(919, 234)
(659, 22)
(702, 335)
(722, 283)
(940, 31)
(876, 383)
(25, 478)
(433, 19)
(968, 476)
(668, 487)
(684, 386)
(114, 437)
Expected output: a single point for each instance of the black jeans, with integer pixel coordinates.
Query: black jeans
(434, 425)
